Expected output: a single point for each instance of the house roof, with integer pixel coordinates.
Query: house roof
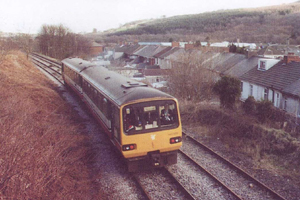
(242, 67)
(282, 77)
(155, 72)
(132, 48)
(270, 50)
(166, 49)
(293, 89)
(226, 61)
(147, 51)
(128, 49)
(168, 53)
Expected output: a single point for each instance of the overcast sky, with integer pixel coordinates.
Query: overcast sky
(28, 16)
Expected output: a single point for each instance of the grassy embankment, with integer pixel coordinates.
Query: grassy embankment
(44, 153)
(267, 147)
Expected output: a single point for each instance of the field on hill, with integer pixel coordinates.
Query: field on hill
(258, 25)
(44, 153)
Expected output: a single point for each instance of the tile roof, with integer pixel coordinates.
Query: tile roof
(168, 53)
(282, 77)
(225, 61)
(147, 51)
(166, 49)
(270, 50)
(293, 89)
(128, 49)
(242, 67)
(155, 72)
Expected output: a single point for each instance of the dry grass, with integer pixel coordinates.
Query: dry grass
(43, 153)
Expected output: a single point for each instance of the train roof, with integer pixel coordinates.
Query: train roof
(119, 88)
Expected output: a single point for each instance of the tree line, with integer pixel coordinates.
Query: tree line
(55, 41)
(59, 42)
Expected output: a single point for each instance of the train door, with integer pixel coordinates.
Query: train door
(116, 124)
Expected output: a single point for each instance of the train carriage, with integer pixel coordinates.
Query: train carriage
(143, 123)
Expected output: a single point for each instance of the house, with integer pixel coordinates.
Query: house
(165, 59)
(155, 75)
(146, 54)
(275, 80)
(96, 49)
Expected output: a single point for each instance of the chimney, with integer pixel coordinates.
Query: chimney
(250, 54)
(188, 46)
(291, 57)
(175, 44)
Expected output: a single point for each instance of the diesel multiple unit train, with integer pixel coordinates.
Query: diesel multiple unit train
(142, 123)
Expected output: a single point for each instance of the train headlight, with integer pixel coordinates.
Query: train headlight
(175, 140)
(128, 147)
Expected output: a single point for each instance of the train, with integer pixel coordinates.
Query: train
(142, 123)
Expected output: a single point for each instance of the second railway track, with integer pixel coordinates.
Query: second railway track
(236, 179)
(48, 65)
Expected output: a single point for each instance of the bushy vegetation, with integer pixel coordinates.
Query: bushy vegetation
(263, 110)
(270, 148)
(43, 154)
(229, 91)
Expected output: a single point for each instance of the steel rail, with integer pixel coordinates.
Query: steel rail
(211, 175)
(47, 59)
(47, 69)
(140, 185)
(274, 193)
(186, 192)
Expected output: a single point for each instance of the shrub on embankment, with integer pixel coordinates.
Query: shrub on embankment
(232, 126)
(43, 153)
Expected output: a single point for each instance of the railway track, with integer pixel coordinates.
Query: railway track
(240, 183)
(161, 184)
(53, 68)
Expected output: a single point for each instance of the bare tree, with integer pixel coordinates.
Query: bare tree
(59, 42)
(6, 45)
(25, 42)
(191, 77)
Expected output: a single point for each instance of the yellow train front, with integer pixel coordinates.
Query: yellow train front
(151, 133)
(143, 123)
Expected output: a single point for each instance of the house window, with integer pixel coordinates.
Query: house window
(277, 100)
(262, 65)
(285, 104)
(251, 90)
(241, 86)
(299, 110)
(266, 94)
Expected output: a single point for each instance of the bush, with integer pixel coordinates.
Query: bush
(264, 111)
(250, 105)
(229, 90)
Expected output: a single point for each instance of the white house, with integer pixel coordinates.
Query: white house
(276, 81)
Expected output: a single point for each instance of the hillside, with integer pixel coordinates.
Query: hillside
(266, 24)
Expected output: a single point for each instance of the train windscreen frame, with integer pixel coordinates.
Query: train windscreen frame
(150, 116)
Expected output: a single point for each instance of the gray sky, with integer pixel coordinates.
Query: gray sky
(28, 16)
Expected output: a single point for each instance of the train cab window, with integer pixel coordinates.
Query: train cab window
(148, 116)
(167, 115)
